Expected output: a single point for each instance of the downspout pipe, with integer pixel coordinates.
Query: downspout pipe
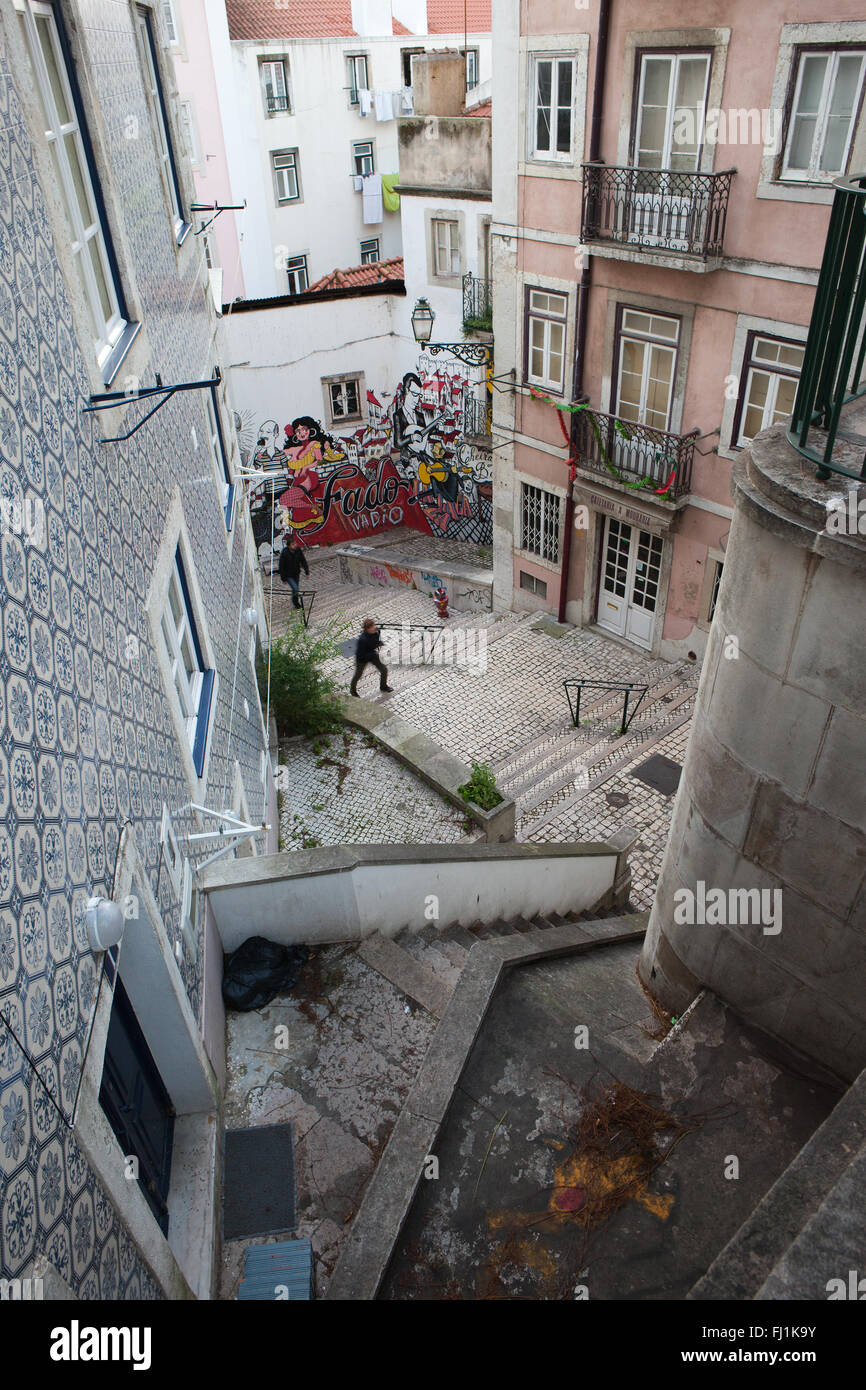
(604, 10)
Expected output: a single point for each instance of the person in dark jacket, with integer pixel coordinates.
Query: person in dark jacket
(292, 560)
(367, 654)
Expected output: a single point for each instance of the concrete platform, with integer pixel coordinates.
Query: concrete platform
(496, 1224)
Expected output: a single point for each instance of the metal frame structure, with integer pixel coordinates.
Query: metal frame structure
(833, 363)
(110, 400)
(627, 688)
(416, 627)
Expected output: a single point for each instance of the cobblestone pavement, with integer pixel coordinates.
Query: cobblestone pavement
(350, 792)
(569, 784)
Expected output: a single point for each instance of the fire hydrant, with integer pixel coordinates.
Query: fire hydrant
(441, 598)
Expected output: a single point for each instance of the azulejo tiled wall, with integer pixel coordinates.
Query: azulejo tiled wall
(87, 742)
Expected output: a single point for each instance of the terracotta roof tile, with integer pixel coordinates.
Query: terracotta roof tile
(484, 108)
(446, 16)
(371, 274)
(294, 19)
(399, 29)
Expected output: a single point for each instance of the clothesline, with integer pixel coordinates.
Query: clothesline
(387, 105)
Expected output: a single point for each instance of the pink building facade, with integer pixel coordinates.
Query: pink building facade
(656, 244)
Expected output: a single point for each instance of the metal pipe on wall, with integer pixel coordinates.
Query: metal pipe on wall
(604, 10)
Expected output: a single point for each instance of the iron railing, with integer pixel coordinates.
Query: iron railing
(630, 453)
(477, 305)
(575, 688)
(656, 209)
(277, 103)
(476, 416)
(833, 363)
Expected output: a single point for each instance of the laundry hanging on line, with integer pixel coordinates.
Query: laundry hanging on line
(365, 102)
(390, 198)
(371, 196)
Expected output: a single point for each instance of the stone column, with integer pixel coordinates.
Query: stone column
(773, 792)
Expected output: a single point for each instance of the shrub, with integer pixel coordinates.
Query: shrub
(304, 700)
(481, 788)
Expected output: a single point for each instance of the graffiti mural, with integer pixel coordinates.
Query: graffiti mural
(409, 463)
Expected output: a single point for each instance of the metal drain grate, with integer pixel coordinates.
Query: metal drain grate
(258, 1181)
(660, 773)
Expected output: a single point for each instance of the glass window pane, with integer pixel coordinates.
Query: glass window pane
(802, 139)
(791, 356)
(812, 84)
(563, 131)
(657, 81)
(95, 247)
(784, 399)
(43, 29)
(82, 192)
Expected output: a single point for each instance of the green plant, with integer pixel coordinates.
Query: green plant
(481, 788)
(304, 699)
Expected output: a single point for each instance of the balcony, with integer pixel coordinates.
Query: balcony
(656, 214)
(830, 406)
(275, 104)
(623, 452)
(477, 305)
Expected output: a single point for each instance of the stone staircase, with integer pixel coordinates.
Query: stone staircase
(426, 963)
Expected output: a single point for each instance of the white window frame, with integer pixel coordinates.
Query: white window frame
(169, 20)
(189, 128)
(674, 57)
(774, 372)
(556, 60)
(159, 118)
(548, 521)
(353, 62)
(346, 416)
(275, 73)
(366, 257)
(472, 61)
(548, 318)
(814, 174)
(297, 266)
(284, 173)
(648, 339)
(219, 458)
(449, 244)
(86, 239)
(175, 631)
(362, 151)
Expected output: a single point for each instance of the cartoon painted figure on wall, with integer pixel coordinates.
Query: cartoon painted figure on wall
(412, 429)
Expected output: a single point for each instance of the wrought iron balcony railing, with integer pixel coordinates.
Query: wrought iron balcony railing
(278, 103)
(832, 374)
(656, 209)
(477, 305)
(636, 455)
(476, 416)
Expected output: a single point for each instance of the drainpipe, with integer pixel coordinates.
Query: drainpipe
(604, 10)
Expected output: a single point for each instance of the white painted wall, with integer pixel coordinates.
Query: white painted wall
(327, 225)
(445, 301)
(264, 897)
(277, 357)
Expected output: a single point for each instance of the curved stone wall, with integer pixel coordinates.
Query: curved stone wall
(773, 793)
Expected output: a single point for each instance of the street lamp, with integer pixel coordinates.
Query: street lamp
(422, 321)
(473, 354)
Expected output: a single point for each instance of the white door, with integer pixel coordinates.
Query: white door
(668, 141)
(630, 572)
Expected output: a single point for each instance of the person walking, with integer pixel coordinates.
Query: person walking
(292, 560)
(367, 654)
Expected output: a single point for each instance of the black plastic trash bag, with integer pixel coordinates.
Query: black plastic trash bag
(258, 970)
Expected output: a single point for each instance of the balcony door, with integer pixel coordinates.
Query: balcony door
(646, 360)
(631, 565)
(671, 104)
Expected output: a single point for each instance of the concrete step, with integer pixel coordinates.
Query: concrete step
(539, 751)
(827, 1256)
(410, 976)
(747, 1263)
(532, 818)
(588, 772)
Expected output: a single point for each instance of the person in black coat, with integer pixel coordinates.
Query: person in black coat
(367, 654)
(292, 560)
